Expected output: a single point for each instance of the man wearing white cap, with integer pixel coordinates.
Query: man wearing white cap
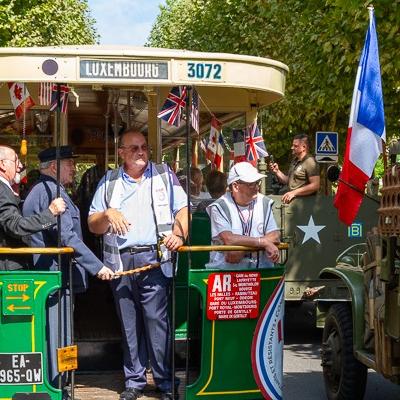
(243, 217)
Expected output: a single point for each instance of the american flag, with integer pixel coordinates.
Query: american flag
(255, 147)
(195, 111)
(174, 105)
(64, 91)
(203, 144)
(45, 90)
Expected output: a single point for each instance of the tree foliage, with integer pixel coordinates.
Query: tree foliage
(45, 23)
(321, 43)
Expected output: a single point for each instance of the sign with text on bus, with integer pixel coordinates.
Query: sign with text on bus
(233, 295)
(326, 146)
(201, 71)
(17, 297)
(123, 69)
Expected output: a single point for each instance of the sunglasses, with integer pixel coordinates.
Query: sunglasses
(250, 184)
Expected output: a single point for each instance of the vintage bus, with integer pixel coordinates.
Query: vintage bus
(110, 89)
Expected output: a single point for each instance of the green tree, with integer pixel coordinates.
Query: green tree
(45, 23)
(320, 41)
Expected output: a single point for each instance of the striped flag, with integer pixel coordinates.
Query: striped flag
(45, 91)
(366, 130)
(220, 152)
(239, 153)
(174, 105)
(64, 91)
(195, 111)
(255, 146)
(213, 141)
(267, 346)
(20, 98)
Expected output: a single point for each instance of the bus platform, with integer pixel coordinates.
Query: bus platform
(108, 386)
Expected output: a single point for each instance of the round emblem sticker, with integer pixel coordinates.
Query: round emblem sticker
(161, 194)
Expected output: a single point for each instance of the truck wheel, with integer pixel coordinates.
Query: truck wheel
(345, 377)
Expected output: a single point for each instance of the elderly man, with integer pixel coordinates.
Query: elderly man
(303, 176)
(136, 207)
(71, 235)
(243, 217)
(14, 227)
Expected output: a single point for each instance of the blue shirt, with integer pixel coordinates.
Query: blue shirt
(136, 206)
(39, 199)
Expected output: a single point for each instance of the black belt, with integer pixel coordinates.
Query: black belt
(139, 249)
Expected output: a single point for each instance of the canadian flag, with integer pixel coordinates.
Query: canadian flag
(215, 147)
(20, 98)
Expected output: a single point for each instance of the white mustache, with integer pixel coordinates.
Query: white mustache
(17, 178)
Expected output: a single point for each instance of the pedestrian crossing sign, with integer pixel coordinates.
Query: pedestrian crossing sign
(326, 143)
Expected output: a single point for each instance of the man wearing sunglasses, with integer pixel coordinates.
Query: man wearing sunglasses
(134, 208)
(243, 217)
(15, 230)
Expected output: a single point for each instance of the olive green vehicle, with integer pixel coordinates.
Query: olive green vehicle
(316, 236)
(362, 327)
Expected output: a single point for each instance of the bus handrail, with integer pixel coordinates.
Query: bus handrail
(222, 247)
(36, 250)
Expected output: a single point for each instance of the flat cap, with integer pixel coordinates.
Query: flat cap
(50, 153)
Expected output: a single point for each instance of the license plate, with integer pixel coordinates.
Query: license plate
(21, 368)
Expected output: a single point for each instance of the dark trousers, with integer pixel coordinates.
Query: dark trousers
(142, 306)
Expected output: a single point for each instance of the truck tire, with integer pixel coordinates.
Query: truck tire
(344, 376)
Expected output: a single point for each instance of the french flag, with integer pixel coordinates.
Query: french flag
(366, 131)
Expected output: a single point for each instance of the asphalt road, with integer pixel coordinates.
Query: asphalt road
(303, 378)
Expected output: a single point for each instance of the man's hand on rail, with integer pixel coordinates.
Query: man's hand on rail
(105, 274)
(173, 242)
(117, 221)
(271, 250)
(57, 206)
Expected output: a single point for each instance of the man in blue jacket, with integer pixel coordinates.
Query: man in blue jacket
(71, 235)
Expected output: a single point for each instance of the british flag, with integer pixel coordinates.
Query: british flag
(64, 91)
(174, 105)
(255, 146)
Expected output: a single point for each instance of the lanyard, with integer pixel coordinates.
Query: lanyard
(246, 224)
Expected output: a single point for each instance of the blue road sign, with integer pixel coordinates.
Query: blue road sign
(326, 143)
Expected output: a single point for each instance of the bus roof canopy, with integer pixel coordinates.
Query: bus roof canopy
(251, 81)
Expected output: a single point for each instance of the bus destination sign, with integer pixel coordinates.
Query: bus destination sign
(233, 295)
(113, 69)
(21, 368)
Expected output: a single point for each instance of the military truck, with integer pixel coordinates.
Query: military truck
(315, 236)
(361, 329)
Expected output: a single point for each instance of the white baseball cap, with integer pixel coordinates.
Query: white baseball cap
(245, 172)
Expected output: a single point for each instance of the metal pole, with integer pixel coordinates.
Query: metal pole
(128, 104)
(189, 238)
(355, 188)
(71, 316)
(115, 126)
(58, 191)
(173, 260)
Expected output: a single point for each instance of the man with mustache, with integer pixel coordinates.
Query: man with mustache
(135, 207)
(14, 228)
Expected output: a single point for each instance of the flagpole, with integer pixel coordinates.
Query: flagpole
(189, 237)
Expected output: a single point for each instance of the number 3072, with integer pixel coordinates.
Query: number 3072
(204, 71)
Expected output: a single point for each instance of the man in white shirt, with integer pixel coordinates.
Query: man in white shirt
(244, 217)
